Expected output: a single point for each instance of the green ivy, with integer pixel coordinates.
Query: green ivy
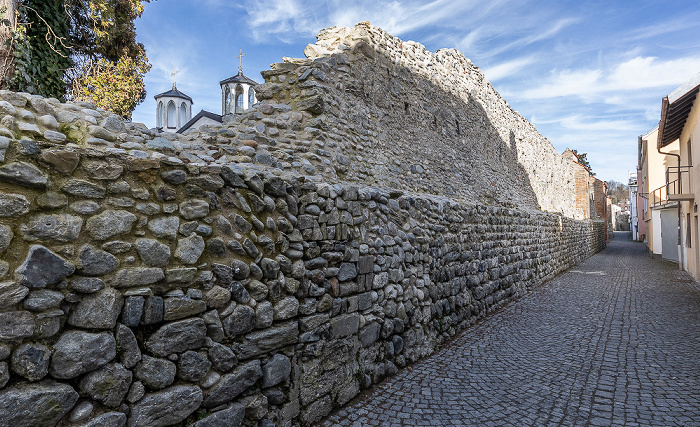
(40, 48)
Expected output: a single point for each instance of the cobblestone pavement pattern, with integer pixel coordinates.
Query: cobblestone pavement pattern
(612, 342)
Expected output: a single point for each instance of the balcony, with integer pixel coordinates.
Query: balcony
(672, 191)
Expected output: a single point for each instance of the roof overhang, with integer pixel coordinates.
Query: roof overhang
(675, 109)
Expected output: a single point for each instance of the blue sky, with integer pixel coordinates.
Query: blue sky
(589, 75)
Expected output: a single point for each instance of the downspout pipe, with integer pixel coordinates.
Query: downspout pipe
(664, 112)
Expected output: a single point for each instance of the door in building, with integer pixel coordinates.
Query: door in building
(669, 234)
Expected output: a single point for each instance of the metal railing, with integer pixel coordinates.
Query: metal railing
(659, 196)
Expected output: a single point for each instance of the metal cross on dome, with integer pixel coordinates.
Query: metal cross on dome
(173, 74)
(240, 60)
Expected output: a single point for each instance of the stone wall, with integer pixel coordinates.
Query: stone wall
(248, 274)
(396, 114)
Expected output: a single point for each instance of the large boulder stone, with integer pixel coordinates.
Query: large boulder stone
(78, 352)
(42, 299)
(179, 308)
(286, 308)
(222, 357)
(270, 339)
(98, 311)
(43, 267)
(96, 262)
(276, 370)
(108, 384)
(137, 276)
(11, 293)
(24, 174)
(177, 337)
(110, 223)
(129, 352)
(193, 209)
(230, 417)
(152, 252)
(132, 311)
(189, 249)
(242, 320)
(192, 366)
(84, 189)
(61, 228)
(155, 373)
(12, 205)
(6, 235)
(233, 384)
(108, 419)
(37, 404)
(16, 324)
(164, 227)
(165, 407)
(31, 360)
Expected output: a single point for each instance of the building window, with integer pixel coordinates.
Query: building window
(239, 99)
(227, 100)
(172, 119)
(159, 115)
(251, 96)
(687, 231)
(183, 114)
(690, 152)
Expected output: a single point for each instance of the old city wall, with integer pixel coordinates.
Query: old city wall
(420, 121)
(243, 274)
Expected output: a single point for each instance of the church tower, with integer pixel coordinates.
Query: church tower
(173, 109)
(237, 92)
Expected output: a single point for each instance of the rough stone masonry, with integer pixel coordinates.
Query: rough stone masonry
(378, 200)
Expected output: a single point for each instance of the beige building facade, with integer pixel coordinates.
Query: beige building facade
(658, 212)
(680, 126)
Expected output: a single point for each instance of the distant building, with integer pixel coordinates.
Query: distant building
(590, 193)
(659, 213)
(174, 108)
(633, 202)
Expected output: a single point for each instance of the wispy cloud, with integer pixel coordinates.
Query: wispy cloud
(601, 84)
(508, 68)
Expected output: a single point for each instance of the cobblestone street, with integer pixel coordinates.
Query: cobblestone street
(613, 342)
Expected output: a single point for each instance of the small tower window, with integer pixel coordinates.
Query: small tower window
(251, 97)
(183, 114)
(239, 99)
(172, 119)
(227, 100)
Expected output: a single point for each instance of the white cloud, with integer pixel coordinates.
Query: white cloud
(601, 85)
(506, 69)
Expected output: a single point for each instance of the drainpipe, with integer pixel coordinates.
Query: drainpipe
(664, 112)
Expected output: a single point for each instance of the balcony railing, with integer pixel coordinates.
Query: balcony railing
(672, 191)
